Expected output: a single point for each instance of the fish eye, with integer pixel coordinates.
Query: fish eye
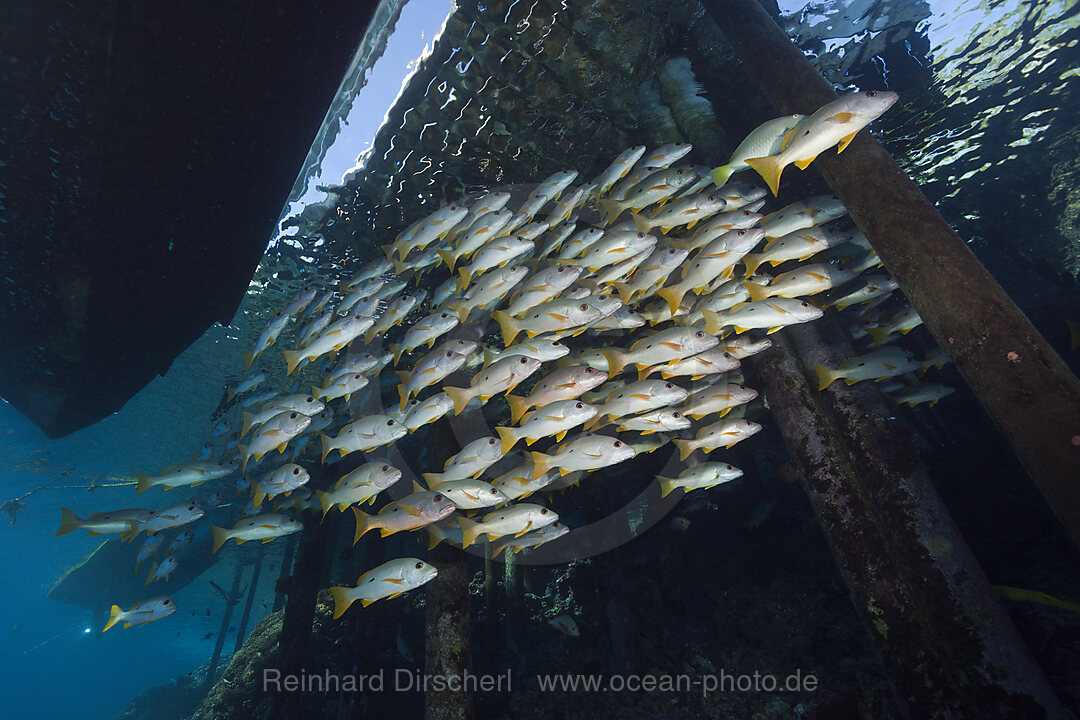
(448, 354)
(389, 423)
(583, 306)
(588, 370)
(579, 405)
(712, 197)
(292, 416)
(669, 385)
(166, 602)
(310, 399)
(679, 172)
(385, 468)
(618, 444)
(560, 269)
(494, 491)
(296, 471)
(543, 511)
(699, 334)
(871, 93)
(492, 441)
(437, 498)
(640, 235)
(357, 377)
(728, 356)
(730, 467)
(191, 507)
(805, 304)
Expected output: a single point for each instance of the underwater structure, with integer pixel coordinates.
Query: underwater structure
(853, 536)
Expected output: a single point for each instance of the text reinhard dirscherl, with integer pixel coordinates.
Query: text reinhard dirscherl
(406, 680)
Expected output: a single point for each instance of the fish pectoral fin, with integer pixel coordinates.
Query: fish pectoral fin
(558, 316)
(410, 510)
(641, 396)
(844, 117)
(560, 435)
(528, 527)
(673, 345)
(396, 581)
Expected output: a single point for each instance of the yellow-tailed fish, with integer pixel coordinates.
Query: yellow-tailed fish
(765, 139)
(902, 322)
(638, 397)
(542, 287)
(553, 316)
(800, 245)
(665, 155)
(409, 513)
(261, 527)
(428, 370)
(373, 269)
(802, 281)
(300, 402)
(428, 411)
(710, 362)
(549, 189)
(876, 365)
(540, 349)
(360, 485)
(618, 169)
(554, 419)
(715, 260)
(365, 434)
(488, 291)
(300, 301)
(531, 539)
(469, 462)
(579, 243)
(267, 336)
(651, 274)
(566, 205)
(163, 570)
(432, 228)
(803, 214)
(625, 318)
(659, 347)
(723, 433)
(141, 613)
(341, 386)
(773, 314)
(564, 384)
(500, 376)
(513, 520)
(336, 336)
(496, 253)
(588, 452)
(661, 420)
(484, 228)
(719, 398)
(102, 523)
(166, 519)
(703, 475)
(274, 434)
(615, 247)
(834, 123)
(657, 187)
(718, 225)
(425, 331)
(870, 287)
(386, 581)
(471, 494)
(188, 474)
(149, 547)
(684, 211)
(396, 311)
(921, 393)
(282, 481)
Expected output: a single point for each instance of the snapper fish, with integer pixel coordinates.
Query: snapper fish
(261, 527)
(300, 402)
(800, 282)
(654, 188)
(188, 474)
(300, 301)
(542, 350)
(373, 269)
(267, 337)
(665, 155)
(531, 539)
(919, 393)
(618, 169)
(409, 513)
(162, 571)
(799, 245)
(341, 386)
(488, 291)
(715, 260)
(588, 452)
(802, 215)
(484, 228)
(710, 362)
(427, 411)
(470, 493)
(550, 188)
(902, 322)
(396, 311)
(773, 314)
(876, 365)
(638, 397)
(720, 398)
(766, 139)
(663, 420)
(724, 433)
(651, 274)
(871, 287)
(430, 369)
(149, 547)
(274, 434)
(180, 542)
(282, 481)
(515, 520)
(579, 243)
(556, 418)
(542, 287)
(248, 384)
(425, 331)
(141, 613)
(102, 523)
(684, 211)
(469, 462)
(565, 206)
(423, 233)
(362, 484)
(501, 376)
(704, 475)
(336, 336)
(387, 581)
(499, 252)
(725, 222)
(170, 517)
(615, 247)
(565, 384)
(835, 123)
(363, 435)
(659, 347)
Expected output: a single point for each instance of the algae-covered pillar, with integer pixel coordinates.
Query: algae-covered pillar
(448, 641)
(1021, 382)
(949, 647)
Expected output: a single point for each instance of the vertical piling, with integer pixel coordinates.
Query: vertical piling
(447, 632)
(245, 618)
(1023, 385)
(230, 603)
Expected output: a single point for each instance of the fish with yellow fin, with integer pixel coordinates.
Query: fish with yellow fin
(386, 581)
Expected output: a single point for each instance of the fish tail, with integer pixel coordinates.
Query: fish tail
(403, 391)
(825, 376)
(150, 577)
(342, 600)
(245, 456)
(143, 483)
(686, 447)
(246, 423)
(399, 266)
(464, 276)
(230, 391)
(434, 536)
(673, 295)
(396, 348)
(616, 361)
(507, 326)
(68, 521)
(470, 530)
(220, 536)
(292, 360)
(115, 616)
(641, 223)
(721, 174)
(541, 464)
(751, 263)
(433, 480)
(257, 498)
(448, 258)
(518, 406)
(769, 168)
(508, 436)
(626, 293)
(714, 323)
(325, 501)
(460, 396)
(879, 335)
(757, 292)
(611, 209)
(327, 446)
(363, 523)
(461, 309)
(390, 250)
(666, 485)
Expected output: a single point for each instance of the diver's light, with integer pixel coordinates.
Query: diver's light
(86, 630)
